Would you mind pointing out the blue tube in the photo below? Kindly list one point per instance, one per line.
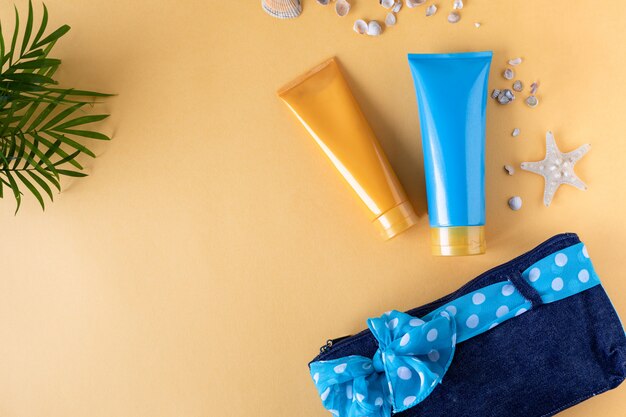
(452, 97)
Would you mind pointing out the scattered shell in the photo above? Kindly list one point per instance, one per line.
(515, 61)
(508, 74)
(396, 7)
(431, 10)
(390, 20)
(518, 86)
(454, 17)
(387, 4)
(495, 93)
(282, 9)
(374, 28)
(515, 203)
(477, 24)
(532, 101)
(505, 96)
(515, 132)
(458, 4)
(360, 26)
(414, 3)
(323, 2)
(509, 169)
(342, 7)
(533, 87)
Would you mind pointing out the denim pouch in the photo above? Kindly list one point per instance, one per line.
(563, 349)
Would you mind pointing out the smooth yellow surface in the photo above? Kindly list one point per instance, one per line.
(458, 241)
(198, 269)
(321, 99)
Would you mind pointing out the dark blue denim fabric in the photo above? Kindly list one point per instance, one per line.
(542, 362)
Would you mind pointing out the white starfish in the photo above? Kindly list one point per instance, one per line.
(557, 168)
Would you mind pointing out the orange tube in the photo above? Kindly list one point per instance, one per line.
(324, 104)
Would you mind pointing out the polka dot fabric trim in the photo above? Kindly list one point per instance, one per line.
(562, 274)
(481, 310)
(414, 353)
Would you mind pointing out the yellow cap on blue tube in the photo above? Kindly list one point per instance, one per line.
(458, 241)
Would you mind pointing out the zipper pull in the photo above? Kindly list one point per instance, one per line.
(330, 342)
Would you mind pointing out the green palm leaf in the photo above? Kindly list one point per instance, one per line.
(41, 126)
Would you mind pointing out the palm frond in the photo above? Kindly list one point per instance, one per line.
(42, 127)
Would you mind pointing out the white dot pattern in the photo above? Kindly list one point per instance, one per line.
(404, 373)
(478, 298)
(534, 274)
(507, 290)
(432, 335)
(557, 284)
(416, 322)
(409, 400)
(560, 259)
(472, 321)
(501, 311)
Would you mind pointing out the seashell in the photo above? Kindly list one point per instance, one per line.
(505, 96)
(431, 10)
(342, 7)
(515, 61)
(387, 4)
(323, 2)
(495, 93)
(282, 9)
(454, 17)
(515, 203)
(414, 3)
(532, 101)
(533, 87)
(515, 132)
(397, 6)
(458, 4)
(477, 24)
(374, 28)
(518, 86)
(390, 20)
(508, 74)
(360, 26)
(509, 169)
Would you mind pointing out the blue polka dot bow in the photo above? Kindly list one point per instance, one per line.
(411, 359)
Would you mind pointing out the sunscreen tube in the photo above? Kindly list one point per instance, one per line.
(324, 104)
(452, 97)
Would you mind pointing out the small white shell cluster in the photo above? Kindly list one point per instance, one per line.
(288, 9)
(506, 96)
(454, 15)
(373, 28)
(342, 7)
(282, 9)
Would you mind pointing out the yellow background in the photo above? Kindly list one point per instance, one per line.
(213, 248)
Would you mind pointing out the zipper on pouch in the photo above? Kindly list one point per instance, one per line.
(331, 342)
